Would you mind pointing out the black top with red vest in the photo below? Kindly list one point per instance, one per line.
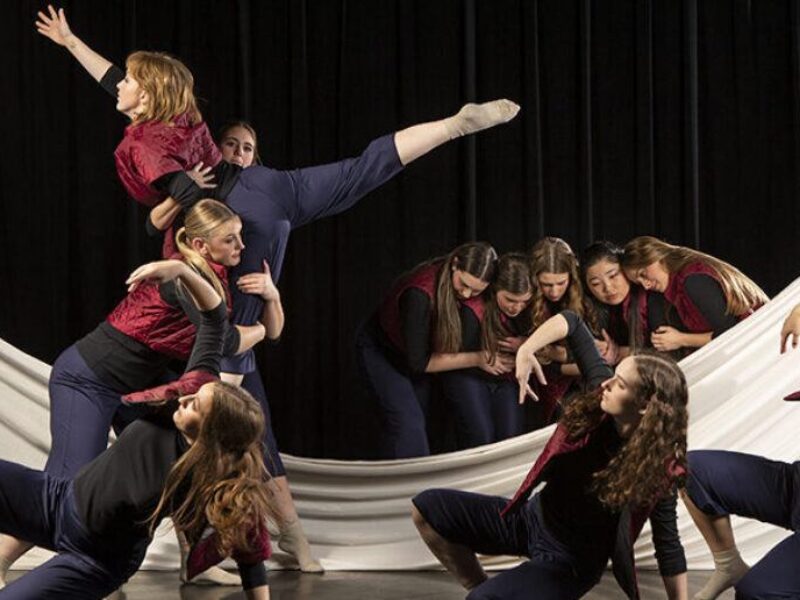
(560, 452)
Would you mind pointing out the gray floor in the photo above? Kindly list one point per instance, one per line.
(428, 585)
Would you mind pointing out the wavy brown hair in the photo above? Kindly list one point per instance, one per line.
(741, 293)
(554, 255)
(203, 221)
(169, 85)
(223, 474)
(513, 276)
(638, 473)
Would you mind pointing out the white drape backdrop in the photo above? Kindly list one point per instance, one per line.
(356, 514)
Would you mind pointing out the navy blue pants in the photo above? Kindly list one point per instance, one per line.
(40, 509)
(485, 410)
(473, 520)
(81, 411)
(252, 383)
(732, 483)
(403, 400)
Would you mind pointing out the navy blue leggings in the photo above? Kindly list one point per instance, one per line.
(485, 410)
(473, 520)
(402, 400)
(732, 483)
(252, 383)
(81, 410)
(40, 509)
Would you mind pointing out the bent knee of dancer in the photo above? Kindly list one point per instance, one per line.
(753, 588)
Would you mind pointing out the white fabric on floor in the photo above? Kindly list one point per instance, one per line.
(356, 514)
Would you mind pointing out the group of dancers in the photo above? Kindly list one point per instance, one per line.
(199, 448)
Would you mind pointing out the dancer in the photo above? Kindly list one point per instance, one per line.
(612, 461)
(555, 271)
(723, 483)
(622, 309)
(271, 203)
(201, 465)
(705, 296)
(417, 331)
(134, 347)
(484, 406)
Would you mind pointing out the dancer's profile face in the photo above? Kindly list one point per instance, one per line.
(607, 282)
(192, 411)
(467, 286)
(619, 392)
(512, 304)
(238, 147)
(131, 98)
(553, 285)
(654, 277)
(225, 246)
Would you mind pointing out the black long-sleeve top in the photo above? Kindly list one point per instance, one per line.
(570, 510)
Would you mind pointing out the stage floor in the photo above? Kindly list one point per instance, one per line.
(407, 585)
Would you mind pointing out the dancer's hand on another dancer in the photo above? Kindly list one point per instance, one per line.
(791, 329)
(608, 349)
(502, 363)
(260, 284)
(667, 338)
(54, 25)
(202, 176)
(510, 344)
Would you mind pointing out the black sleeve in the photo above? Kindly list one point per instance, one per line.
(175, 295)
(664, 524)
(580, 341)
(110, 80)
(181, 188)
(207, 350)
(706, 294)
(152, 230)
(657, 315)
(470, 330)
(253, 576)
(415, 319)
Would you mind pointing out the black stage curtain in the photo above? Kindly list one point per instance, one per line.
(673, 118)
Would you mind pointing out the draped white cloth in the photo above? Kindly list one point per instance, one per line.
(356, 514)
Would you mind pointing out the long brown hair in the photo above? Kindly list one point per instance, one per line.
(169, 85)
(479, 260)
(638, 473)
(741, 292)
(554, 255)
(224, 475)
(513, 276)
(203, 221)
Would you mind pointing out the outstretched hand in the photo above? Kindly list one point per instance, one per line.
(260, 284)
(54, 25)
(161, 270)
(527, 364)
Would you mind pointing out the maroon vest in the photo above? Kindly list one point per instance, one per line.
(619, 318)
(688, 312)
(152, 149)
(144, 316)
(422, 278)
(630, 523)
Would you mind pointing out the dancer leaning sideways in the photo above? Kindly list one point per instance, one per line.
(613, 460)
(197, 461)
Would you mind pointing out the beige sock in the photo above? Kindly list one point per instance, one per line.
(5, 565)
(476, 117)
(293, 541)
(729, 568)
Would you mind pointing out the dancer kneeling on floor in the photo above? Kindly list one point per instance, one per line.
(199, 462)
(612, 461)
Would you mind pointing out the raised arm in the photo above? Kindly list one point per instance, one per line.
(54, 26)
(204, 295)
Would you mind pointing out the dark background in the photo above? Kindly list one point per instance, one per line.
(674, 118)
